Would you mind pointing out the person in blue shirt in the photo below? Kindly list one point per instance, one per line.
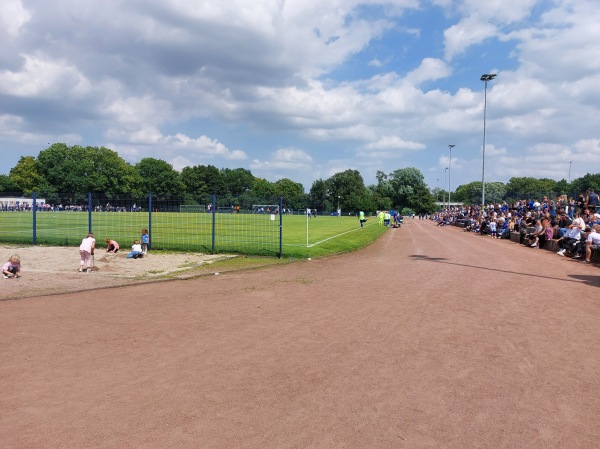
(145, 241)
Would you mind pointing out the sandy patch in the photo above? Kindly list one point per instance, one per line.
(50, 269)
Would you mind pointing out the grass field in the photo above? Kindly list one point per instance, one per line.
(238, 233)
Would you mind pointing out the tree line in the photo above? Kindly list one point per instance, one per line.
(520, 188)
(64, 174)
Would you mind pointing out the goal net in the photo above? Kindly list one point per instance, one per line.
(265, 208)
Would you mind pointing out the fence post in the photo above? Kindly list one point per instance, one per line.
(149, 220)
(280, 227)
(214, 218)
(89, 195)
(34, 218)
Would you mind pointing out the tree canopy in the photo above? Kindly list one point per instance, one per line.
(66, 173)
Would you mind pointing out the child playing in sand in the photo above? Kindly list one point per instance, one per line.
(12, 268)
(136, 250)
(86, 251)
(111, 246)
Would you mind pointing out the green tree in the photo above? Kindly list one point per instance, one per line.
(159, 178)
(382, 193)
(237, 181)
(195, 184)
(468, 193)
(291, 192)
(403, 182)
(350, 187)
(588, 181)
(380, 201)
(264, 190)
(495, 192)
(26, 176)
(319, 194)
(7, 185)
(562, 187)
(76, 170)
(527, 187)
(421, 200)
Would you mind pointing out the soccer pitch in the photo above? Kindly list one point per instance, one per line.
(176, 231)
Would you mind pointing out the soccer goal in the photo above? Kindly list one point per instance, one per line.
(192, 208)
(265, 208)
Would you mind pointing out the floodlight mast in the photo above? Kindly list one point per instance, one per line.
(449, 170)
(570, 163)
(444, 197)
(485, 78)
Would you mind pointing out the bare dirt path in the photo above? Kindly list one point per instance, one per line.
(431, 338)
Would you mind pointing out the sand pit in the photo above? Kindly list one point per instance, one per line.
(51, 270)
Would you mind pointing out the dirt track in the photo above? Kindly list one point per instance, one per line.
(431, 338)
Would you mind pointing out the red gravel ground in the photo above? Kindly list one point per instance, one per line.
(430, 338)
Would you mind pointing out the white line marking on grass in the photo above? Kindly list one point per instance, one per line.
(332, 237)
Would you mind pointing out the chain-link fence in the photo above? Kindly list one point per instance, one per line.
(209, 224)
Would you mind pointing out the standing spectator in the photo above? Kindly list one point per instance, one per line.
(592, 202)
(86, 251)
(581, 203)
(12, 268)
(145, 240)
(572, 206)
(493, 229)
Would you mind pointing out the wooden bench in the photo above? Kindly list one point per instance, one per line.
(552, 245)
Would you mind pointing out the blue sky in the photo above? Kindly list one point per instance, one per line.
(303, 89)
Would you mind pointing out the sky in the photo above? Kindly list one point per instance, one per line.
(304, 89)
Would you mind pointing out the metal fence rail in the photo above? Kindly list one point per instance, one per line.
(210, 227)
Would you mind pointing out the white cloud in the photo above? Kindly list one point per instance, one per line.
(41, 77)
(468, 32)
(13, 15)
(499, 11)
(157, 78)
(388, 143)
(430, 70)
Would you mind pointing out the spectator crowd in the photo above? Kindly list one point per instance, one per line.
(569, 226)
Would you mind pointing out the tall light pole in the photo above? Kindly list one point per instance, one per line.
(449, 170)
(338, 211)
(437, 189)
(485, 78)
(445, 171)
(570, 171)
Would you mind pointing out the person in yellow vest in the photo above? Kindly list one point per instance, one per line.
(362, 219)
(386, 218)
(380, 218)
